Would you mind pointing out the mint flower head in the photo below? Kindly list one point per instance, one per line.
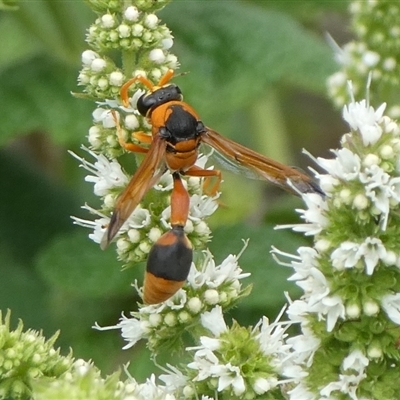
(375, 51)
(349, 313)
(163, 325)
(233, 362)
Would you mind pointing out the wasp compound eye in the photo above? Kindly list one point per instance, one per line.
(144, 103)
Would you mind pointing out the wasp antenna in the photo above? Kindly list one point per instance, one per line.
(166, 78)
(182, 73)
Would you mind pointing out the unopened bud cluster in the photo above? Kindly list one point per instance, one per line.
(25, 358)
(84, 381)
(136, 32)
(375, 50)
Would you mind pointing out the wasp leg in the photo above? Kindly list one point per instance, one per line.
(171, 256)
(209, 188)
(128, 146)
(142, 137)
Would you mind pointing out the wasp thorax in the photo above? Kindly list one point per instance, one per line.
(149, 101)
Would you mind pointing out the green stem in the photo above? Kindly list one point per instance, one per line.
(128, 62)
(268, 122)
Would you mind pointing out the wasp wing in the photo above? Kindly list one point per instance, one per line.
(144, 178)
(287, 178)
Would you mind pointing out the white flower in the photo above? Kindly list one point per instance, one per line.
(131, 122)
(370, 58)
(349, 253)
(333, 308)
(345, 166)
(372, 250)
(365, 119)
(140, 218)
(105, 117)
(346, 255)
(150, 390)
(150, 21)
(297, 311)
(205, 359)
(314, 215)
(347, 384)
(356, 361)
(229, 375)
(174, 379)
(167, 43)
(132, 330)
(131, 13)
(88, 56)
(165, 183)
(107, 20)
(98, 225)
(301, 392)
(304, 347)
(116, 78)
(391, 305)
(271, 337)
(98, 64)
(214, 321)
(157, 56)
(262, 385)
(202, 206)
(107, 174)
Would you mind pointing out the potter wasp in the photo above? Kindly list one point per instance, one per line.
(177, 132)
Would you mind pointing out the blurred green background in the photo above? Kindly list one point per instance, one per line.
(257, 73)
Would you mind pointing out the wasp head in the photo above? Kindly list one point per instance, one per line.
(149, 101)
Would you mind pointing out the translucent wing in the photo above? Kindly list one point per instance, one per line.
(144, 178)
(279, 174)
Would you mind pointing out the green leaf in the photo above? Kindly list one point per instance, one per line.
(240, 49)
(306, 9)
(36, 96)
(8, 5)
(23, 292)
(19, 46)
(33, 207)
(58, 26)
(74, 264)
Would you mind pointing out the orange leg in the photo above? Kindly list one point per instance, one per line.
(208, 174)
(142, 137)
(129, 146)
(125, 87)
